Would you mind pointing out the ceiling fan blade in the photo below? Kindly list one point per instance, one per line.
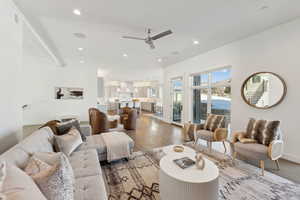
(160, 35)
(151, 45)
(133, 38)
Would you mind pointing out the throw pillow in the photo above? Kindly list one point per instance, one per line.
(269, 132)
(254, 128)
(51, 158)
(64, 128)
(36, 166)
(262, 130)
(18, 185)
(56, 183)
(69, 142)
(213, 122)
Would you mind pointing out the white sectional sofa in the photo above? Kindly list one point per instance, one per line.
(89, 183)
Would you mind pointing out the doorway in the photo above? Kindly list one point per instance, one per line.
(177, 100)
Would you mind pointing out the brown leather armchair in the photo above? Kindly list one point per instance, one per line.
(98, 121)
(130, 121)
(124, 112)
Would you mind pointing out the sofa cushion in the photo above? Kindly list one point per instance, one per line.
(18, 185)
(85, 163)
(39, 141)
(69, 142)
(16, 156)
(205, 135)
(94, 142)
(90, 188)
(36, 166)
(252, 150)
(56, 182)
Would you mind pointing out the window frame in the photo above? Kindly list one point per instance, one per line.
(209, 87)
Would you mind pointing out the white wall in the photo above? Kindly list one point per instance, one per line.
(40, 76)
(39, 81)
(276, 50)
(10, 52)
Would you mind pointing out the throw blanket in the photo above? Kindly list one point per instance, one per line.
(117, 145)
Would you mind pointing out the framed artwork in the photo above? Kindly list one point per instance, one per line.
(66, 93)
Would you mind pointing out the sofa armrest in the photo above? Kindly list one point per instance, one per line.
(220, 134)
(236, 135)
(86, 130)
(275, 149)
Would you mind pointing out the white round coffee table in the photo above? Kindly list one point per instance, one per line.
(188, 184)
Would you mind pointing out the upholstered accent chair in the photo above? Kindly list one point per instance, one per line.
(98, 121)
(124, 112)
(261, 141)
(212, 131)
(130, 121)
(189, 129)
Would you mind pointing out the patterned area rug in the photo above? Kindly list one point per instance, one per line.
(138, 179)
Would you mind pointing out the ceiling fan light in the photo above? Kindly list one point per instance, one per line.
(195, 42)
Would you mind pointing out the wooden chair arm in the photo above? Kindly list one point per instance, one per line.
(220, 134)
(275, 149)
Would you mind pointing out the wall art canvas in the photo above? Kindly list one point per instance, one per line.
(65, 93)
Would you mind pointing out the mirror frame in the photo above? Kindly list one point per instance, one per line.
(264, 108)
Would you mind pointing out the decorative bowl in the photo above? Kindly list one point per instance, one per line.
(178, 148)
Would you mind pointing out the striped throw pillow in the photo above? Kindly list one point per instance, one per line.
(263, 131)
(213, 122)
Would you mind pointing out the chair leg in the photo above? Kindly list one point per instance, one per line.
(224, 147)
(262, 166)
(277, 164)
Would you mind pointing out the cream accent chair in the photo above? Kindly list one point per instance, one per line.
(219, 135)
(258, 151)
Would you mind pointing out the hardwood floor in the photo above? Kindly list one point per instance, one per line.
(152, 133)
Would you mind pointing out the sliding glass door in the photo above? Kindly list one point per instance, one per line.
(177, 100)
(211, 93)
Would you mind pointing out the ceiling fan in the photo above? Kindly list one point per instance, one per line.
(149, 40)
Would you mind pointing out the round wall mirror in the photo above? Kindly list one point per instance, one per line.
(263, 90)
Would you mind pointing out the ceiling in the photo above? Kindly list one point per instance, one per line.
(211, 22)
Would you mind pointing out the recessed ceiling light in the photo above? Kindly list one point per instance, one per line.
(76, 12)
(159, 60)
(195, 42)
(80, 49)
(81, 62)
(125, 55)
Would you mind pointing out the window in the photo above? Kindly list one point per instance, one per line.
(211, 93)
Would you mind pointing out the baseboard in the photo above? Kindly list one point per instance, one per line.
(291, 158)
